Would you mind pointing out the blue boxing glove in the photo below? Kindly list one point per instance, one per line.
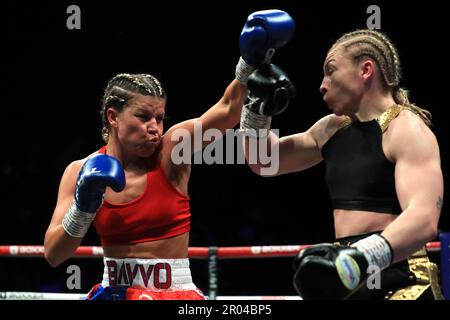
(263, 33)
(97, 173)
(329, 271)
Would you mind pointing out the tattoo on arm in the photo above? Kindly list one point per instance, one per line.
(439, 203)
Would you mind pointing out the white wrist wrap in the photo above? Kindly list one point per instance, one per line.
(253, 124)
(376, 249)
(76, 223)
(243, 70)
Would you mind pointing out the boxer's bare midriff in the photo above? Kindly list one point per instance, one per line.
(170, 248)
(354, 222)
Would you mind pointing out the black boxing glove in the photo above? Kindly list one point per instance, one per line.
(330, 271)
(270, 91)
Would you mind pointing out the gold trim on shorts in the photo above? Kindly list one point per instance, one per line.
(426, 274)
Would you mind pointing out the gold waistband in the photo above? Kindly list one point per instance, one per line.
(426, 274)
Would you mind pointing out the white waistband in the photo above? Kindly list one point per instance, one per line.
(153, 274)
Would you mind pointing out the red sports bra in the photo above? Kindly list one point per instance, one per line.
(160, 212)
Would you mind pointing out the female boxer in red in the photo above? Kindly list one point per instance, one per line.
(132, 189)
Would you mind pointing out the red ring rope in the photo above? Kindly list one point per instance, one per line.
(194, 252)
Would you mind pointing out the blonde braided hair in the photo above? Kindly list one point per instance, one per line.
(366, 43)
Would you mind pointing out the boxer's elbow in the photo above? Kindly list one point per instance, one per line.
(51, 257)
(57, 247)
(269, 170)
(256, 168)
(49, 252)
(52, 261)
(428, 226)
(430, 222)
(431, 231)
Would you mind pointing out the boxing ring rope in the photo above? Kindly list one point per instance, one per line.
(212, 254)
(36, 251)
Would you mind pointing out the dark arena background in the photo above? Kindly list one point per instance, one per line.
(53, 82)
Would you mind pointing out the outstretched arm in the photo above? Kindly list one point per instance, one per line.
(263, 33)
(299, 151)
(225, 114)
